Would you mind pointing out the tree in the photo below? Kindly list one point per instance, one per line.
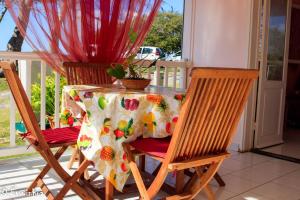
(166, 32)
(3, 10)
(16, 41)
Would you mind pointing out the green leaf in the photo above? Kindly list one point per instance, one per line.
(117, 71)
(131, 58)
(123, 102)
(88, 113)
(130, 123)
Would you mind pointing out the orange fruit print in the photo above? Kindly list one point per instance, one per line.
(107, 153)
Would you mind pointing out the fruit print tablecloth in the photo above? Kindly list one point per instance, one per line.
(114, 116)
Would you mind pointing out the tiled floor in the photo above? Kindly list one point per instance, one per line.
(248, 176)
(291, 146)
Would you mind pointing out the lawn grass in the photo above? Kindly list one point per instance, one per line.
(18, 156)
(4, 123)
(5, 120)
(4, 101)
(3, 85)
(5, 129)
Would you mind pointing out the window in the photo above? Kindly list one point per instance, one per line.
(147, 51)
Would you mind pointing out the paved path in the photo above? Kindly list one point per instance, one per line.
(4, 94)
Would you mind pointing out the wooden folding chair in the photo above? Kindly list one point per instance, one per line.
(84, 74)
(208, 119)
(44, 141)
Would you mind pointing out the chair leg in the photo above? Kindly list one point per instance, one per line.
(146, 194)
(219, 179)
(155, 172)
(209, 193)
(198, 182)
(136, 174)
(45, 189)
(46, 169)
(179, 181)
(109, 190)
(81, 158)
(191, 182)
(142, 163)
(205, 178)
(73, 158)
(73, 179)
(61, 172)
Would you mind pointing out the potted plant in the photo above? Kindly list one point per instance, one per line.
(130, 74)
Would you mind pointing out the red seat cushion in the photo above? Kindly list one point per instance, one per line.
(59, 135)
(157, 147)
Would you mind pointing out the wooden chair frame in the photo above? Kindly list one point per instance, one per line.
(203, 131)
(40, 145)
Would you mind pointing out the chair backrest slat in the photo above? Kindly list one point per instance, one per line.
(205, 132)
(22, 102)
(210, 115)
(86, 73)
(218, 113)
(228, 109)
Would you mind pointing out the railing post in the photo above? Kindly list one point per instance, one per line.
(175, 78)
(157, 75)
(25, 76)
(183, 77)
(43, 96)
(12, 136)
(57, 98)
(166, 76)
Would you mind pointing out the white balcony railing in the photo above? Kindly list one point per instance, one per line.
(25, 61)
(165, 73)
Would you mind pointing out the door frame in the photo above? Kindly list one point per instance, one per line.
(253, 62)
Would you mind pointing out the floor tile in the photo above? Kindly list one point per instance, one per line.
(267, 171)
(235, 165)
(236, 184)
(250, 196)
(277, 192)
(247, 176)
(220, 194)
(224, 171)
(290, 180)
(251, 158)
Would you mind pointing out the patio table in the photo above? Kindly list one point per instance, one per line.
(115, 115)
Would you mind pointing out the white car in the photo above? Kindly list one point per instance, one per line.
(174, 56)
(149, 53)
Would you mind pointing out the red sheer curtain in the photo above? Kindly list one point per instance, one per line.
(83, 30)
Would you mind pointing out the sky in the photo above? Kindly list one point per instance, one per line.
(176, 4)
(7, 25)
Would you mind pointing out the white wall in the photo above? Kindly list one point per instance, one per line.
(217, 34)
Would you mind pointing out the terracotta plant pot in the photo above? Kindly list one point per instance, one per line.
(135, 84)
